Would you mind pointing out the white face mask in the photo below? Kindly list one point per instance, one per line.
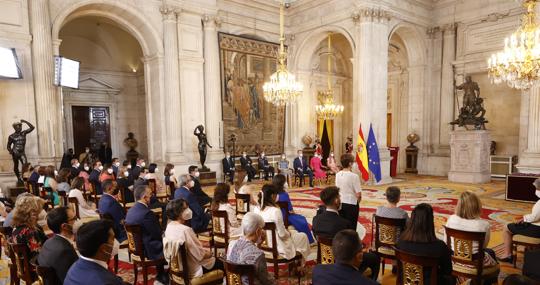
(228, 156)
(115, 248)
(156, 170)
(56, 173)
(262, 155)
(77, 165)
(171, 172)
(129, 166)
(109, 170)
(299, 155)
(100, 167)
(191, 184)
(187, 214)
(143, 164)
(340, 206)
(332, 155)
(283, 157)
(117, 164)
(244, 155)
(87, 150)
(537, 193)
(197, 174)
(126, 173)
(86, 168)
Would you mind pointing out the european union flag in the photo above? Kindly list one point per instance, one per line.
(374, 161)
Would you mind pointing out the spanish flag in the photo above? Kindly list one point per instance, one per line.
(361, 155)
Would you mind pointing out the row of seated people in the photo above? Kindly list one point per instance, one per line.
(315, 168)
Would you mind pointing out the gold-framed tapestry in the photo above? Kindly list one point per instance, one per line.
(258, 125)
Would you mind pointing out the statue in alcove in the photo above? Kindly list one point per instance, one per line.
(203, 143)
(132, 144)
(16, 145)
(472, 111)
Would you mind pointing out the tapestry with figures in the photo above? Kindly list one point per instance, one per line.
(246, 64)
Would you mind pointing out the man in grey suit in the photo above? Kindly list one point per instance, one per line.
(58, 252)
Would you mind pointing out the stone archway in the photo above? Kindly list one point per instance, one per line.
(134, 22)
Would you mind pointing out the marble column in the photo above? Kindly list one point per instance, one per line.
(173, 135)
(212, 88)
(50, 144)
(371, 78)
(447, 84)
(529, 159)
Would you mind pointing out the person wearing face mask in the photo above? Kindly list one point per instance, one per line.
(115, 166)
(86, 209)
(351, 190)
(246, 250)
(136, 171)
(85, 174)
(283, 168)
(247, 166)
(107, 173)
(228, 166)
(140, 214)
(200, 260)
(327, 223)
(200, 219)
(26, 229)
(529, 226)
(202, 197)
(75, 168)
(125, 185)
(301, 168)
(51, 185)
(95, 242)
(348, 255)
(319, 170)
(265, 166)
(85, 157)
(331, 163)
(94, 177)
(170, 179)
(58, 252)
(109, 205)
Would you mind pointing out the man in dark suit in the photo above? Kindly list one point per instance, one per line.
(327, 223)
(140, 214)
(75, 168)
(301, 167)
(58, 252)
(265, 166)
(228, 166)
(94, 176)
(95, 242)
(111, 208)
(202, 197)
(115, 166)
(200, 219)
(136, 171)
(245, 161)
(347, 251)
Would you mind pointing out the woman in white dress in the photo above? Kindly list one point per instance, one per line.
(254, 193)
(86, 209)
(220, 202)
(288, 242)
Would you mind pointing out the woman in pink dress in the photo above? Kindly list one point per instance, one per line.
(317, 166)
(331, 162)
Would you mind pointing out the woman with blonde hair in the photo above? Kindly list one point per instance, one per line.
(468, 218)
(25, 224)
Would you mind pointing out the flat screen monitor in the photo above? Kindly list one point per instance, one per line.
(9, 64)
(66, 72)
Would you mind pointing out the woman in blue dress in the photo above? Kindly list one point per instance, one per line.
(299, 222)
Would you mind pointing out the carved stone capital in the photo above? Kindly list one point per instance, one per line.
(432, 32)
(449, 29)
(211, 21)
(169, 13)
(371, 15)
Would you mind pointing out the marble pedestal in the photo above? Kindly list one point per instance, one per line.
(469, 156)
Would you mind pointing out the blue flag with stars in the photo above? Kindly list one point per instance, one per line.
(374, 161)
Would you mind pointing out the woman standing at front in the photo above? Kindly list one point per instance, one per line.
(350, 190)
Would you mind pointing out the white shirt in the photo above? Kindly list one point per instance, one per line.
(85, 210)
(534, 216)
(470, 225)
(234, 226)
(102, 263)
(349, 185)
(285, 244)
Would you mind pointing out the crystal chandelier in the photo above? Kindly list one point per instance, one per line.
(519, 63)
(282, 89)
(327, 109)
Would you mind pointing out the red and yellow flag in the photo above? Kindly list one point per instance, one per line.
(361, 155)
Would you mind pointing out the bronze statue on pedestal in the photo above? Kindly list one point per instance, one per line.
(16, 144)
(203, 142)
(472, 111)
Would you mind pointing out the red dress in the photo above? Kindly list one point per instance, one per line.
(316, 165)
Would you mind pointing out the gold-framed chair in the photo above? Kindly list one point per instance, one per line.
(63, 198)
(324, 251)
(411, 268)
(465, 263)
(220, 231)
(179, 271)
(22, 261)
(242, 204)
(234, 273)
(73, 203)
(271, 253)
(5, 233)
(136, 252)
(526, 242)
(387, 231)
(122, 192)
(45, 275)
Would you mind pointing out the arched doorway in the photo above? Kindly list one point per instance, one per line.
(110, 101)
